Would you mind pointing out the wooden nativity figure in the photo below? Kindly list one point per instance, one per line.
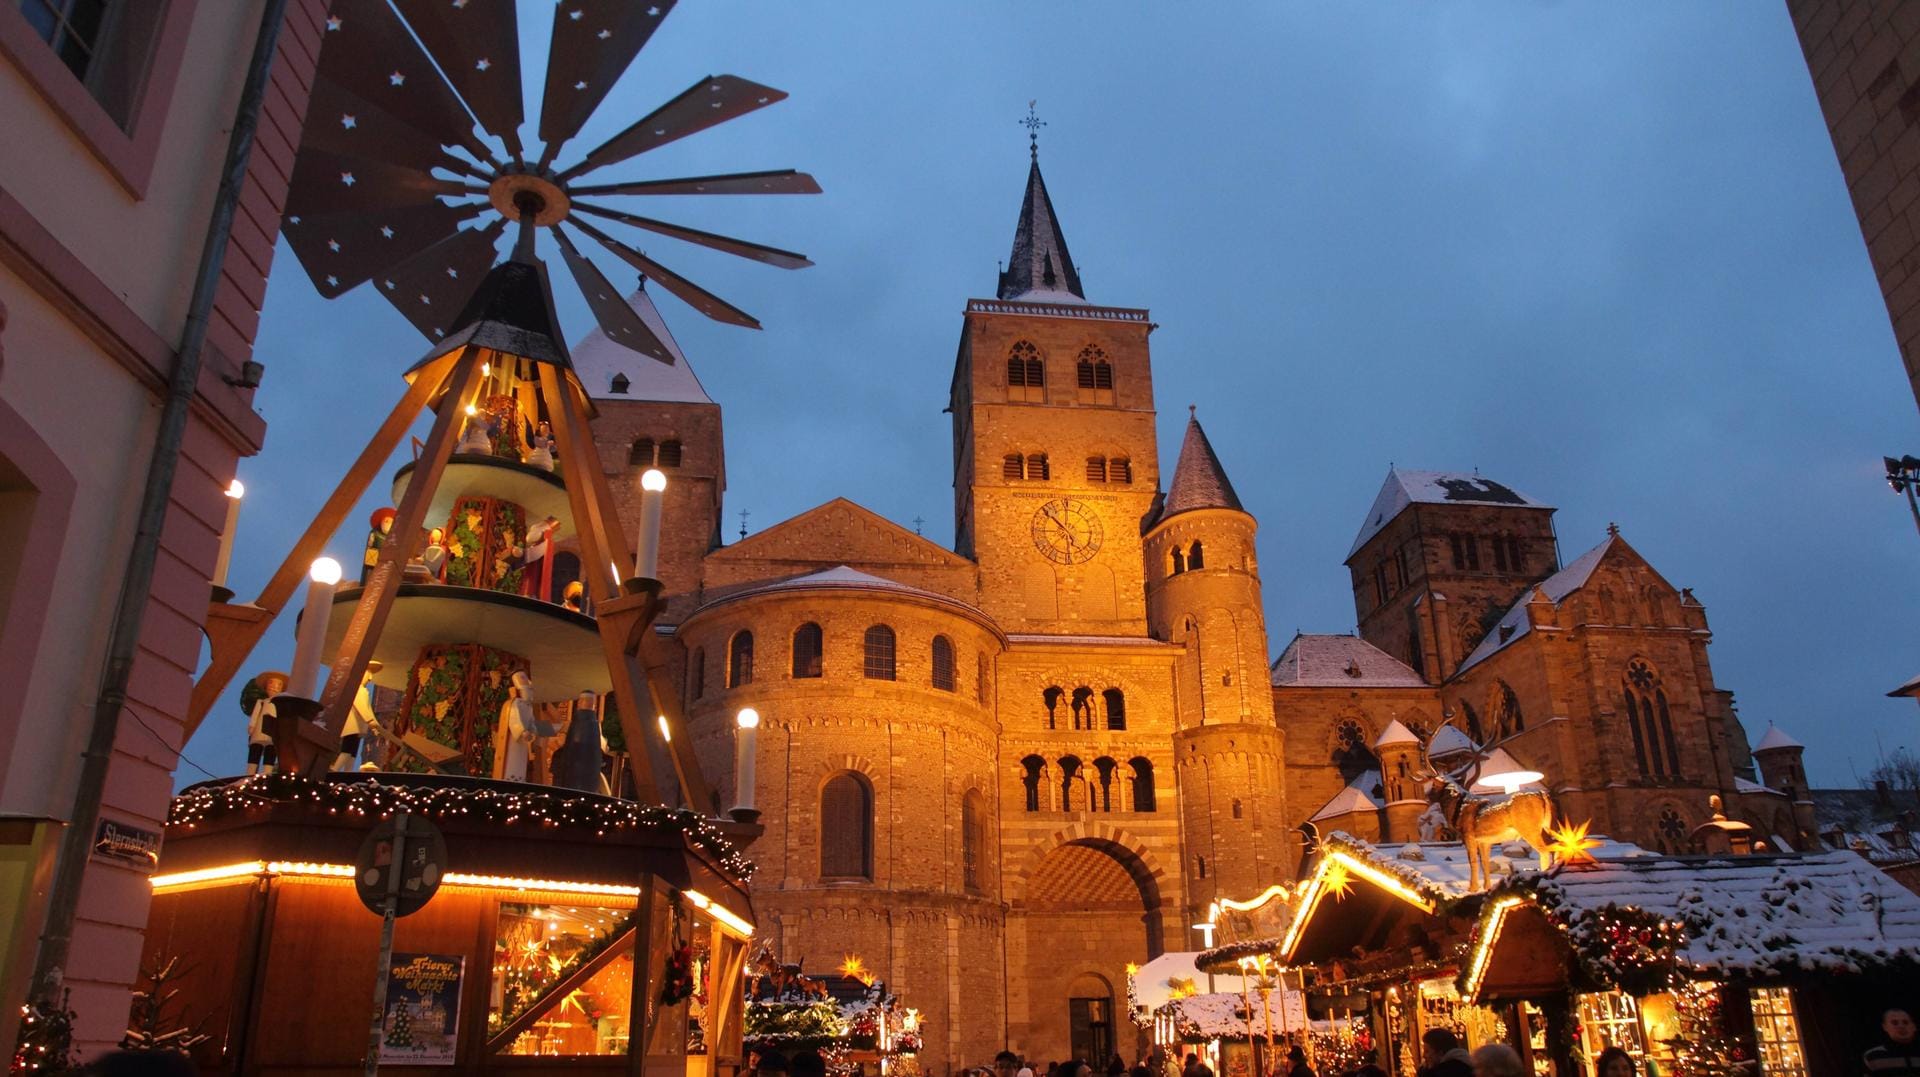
(576, 764)
(380, 530)
(257, 700)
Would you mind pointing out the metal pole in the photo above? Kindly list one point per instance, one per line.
(1912, 503)
(56, 939)
(385, 967)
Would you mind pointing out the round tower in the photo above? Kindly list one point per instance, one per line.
(1203, 592)
(1399, 753)
(1778, 757)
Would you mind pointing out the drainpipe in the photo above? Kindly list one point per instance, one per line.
(56, 939)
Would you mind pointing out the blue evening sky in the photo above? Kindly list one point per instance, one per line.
(1603, 254)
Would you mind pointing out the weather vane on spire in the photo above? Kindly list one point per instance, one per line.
(1033, 123)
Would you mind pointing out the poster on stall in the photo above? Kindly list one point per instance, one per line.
(423, 1010)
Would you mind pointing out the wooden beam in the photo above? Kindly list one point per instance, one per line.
(612, 613)
(234, 631)
(383, 583)
(511, 1031)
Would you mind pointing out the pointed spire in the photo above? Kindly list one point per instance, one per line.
(1039, 262)
(1199, 482)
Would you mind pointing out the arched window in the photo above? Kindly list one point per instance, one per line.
(1142, 783)
(1102, 798)
(640, 453)
(1475, 732)
(1179, 561)
(846, 828)
(1051, 697)
(619, 384)
(1037, 466)
(1200, 865)
(1083, 707)
(1096, 469)
(1013, 467)
(1070, 780)
(1116, 708)
(973, 839)
(1651, 721)
(943, 663)
(1033, 773)
(879, 653)
(740, 659)
(1094, 377)
(1236, 807)
(1350, 752)
(1507, 719)
(1119, 469)
(1026, 375)
(980, 687)
(1196, 557)
(669, 454)
(697, 674)
(807, 646)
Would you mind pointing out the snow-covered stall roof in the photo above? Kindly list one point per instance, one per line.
(1751, 915)
(1224, 1016)
(1439, 869)
(1157, 982)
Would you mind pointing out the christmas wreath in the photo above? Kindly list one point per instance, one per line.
(677, 980)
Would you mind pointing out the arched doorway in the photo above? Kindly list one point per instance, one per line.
(1090, 907)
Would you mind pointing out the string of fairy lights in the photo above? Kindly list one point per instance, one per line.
(374, 800)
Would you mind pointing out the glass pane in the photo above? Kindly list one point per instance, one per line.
(571, 969)
(1777, 1032)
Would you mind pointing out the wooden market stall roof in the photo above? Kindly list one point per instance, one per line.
(1712, 917)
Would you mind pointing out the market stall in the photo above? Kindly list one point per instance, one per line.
(849, 1017)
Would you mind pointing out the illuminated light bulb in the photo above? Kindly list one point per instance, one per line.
(311, 635)
(666, 731)
(646, 548)
(747, 726)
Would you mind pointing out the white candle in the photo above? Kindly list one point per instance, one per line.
(743, 758)
(646, 551)
(311, 637)
(225, 556)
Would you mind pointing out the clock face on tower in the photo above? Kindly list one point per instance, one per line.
(1067, 531)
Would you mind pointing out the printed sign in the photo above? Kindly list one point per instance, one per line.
(421, 1026)
(118, 841)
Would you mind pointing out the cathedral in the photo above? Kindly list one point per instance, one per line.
(1001, 771)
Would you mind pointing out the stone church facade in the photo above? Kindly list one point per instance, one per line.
(1000, 772)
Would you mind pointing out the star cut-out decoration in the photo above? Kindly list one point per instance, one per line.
(333, 24)
(346, 178)
(386, 232)
(1568, 843)
(1337, 881)
(347, 121)
(482, 64)
(397, 78)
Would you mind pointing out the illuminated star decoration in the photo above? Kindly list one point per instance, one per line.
(1336, 880)
(1132, 968)
(1568, 843)
(855, 969)
(1182, 987)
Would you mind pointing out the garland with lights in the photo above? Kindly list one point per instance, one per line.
(506, 806)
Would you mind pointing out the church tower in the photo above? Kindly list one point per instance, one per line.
(1203, 592)
(1053, 441)
(650, 414)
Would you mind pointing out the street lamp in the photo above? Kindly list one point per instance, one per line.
(1904, 476)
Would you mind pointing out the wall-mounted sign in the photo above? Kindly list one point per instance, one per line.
(128, 844)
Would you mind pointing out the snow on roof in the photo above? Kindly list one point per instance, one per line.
(1343, 661)
(1447, 740)
(598, 360)
(1439, 869)
(1346, 802)
(1742, 785)
(1754, 915)
(1556, 587)
(1404, 488)
(1224, 1015)
(847, 578)
(1395, 733)
(1775, 737)
(1153, 982)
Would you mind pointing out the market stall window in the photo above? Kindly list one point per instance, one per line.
(1776, 1031)
(1612, 1019)
(562, 974)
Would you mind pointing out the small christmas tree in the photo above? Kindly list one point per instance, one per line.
(400, 1027)
(1703, 1048)
(46, 1037)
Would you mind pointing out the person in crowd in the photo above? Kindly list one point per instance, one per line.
(1370, 1066)
(1192, 1067)
(1297, 1063)
(1116, 1066)
(808, 1063)
(1497, 1060)
(1141, 1068)
(1443, 1056)
(1073, 1067)
(1005, 1064)
(769, 1063)
(1614, 1062)
(1897, 1054)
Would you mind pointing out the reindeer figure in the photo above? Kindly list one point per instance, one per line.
(1484, 821)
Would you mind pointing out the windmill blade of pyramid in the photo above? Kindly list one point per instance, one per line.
(343, 123)
(430, 288)
(477, 45)
(369, 51)
(708, 103)
(688, 292)
(593, 43)
(341, 250)
(325, 183)
(617, 319)
(758, 252)
(781, 181)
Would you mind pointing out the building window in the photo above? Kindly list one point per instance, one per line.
(1236, 807)
(1097, 469)
(619, 384)
(1033, 775)
(1070, 779)
(1094, 377)
(640, 453)
(1142, 783)
(669, 454)
(943, 663)
(1776, 1031)
(1516, 555)
(1026, 375)
(1083, 707)
(697, 678)
(1037, 466)
(1351, 755)
(980, 678)
(1179, 562)
(105, 43)
(1109, 469)
(1472, 544)
(1013, 467)
(807, 645)
(1499, 553)
(846, 828)
(1116, 708)
(1051, 697)
(1507, 718)
(1650, 721)
(1200, 865)
(1670, 832)
(1466, 551)
(740, 660)
(879, 653)
(1196, 557)
(1102, 799)
(1380, 591)
(973, 839)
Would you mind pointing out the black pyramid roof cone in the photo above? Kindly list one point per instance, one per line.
(512, 312)
(1199, 482)
(1039, 262)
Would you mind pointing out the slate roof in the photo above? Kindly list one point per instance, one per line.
(1345, 802)
(1558, 586)
(1867, 821)
(1199, 482)
(1314, 661)
(1039, 269)
(1404, 488)
(597, 360)
(1395, 733)
(1775, 737)
(1448, 739)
